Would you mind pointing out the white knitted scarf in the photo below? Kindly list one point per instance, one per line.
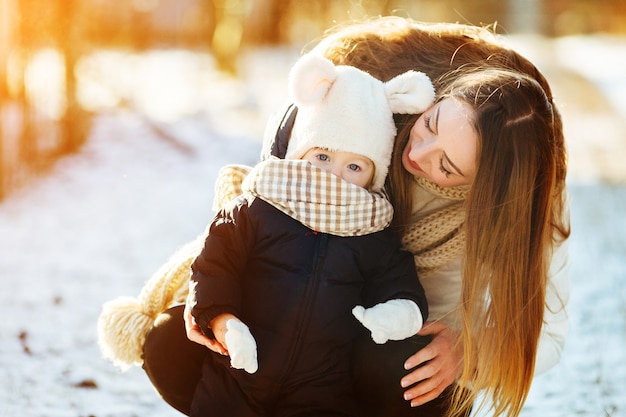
(318, 199)
(438, 237)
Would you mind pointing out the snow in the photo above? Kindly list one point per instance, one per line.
(93, 230)
(103, 220)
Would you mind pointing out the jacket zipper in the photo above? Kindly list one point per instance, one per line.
(304, 313)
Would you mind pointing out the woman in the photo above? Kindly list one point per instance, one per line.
(478, 187)
(485, 167)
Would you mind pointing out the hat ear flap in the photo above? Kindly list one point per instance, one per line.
(410, 93)
(310, 79)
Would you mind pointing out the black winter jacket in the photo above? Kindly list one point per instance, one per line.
(295, 289)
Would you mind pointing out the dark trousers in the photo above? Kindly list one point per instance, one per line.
(172, 362)
(221, 393)
(377, 371)
(174, 366)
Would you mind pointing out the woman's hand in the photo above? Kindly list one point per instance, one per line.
(195, 334)
(441, 360)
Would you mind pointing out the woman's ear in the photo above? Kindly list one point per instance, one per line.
(310, 79)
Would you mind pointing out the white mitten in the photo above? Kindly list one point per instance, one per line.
(391, 320)
(241, 346)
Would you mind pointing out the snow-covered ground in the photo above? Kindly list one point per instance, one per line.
(106, 218)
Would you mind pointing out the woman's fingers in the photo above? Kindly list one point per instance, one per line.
(194, 333)
(432, 328)
(216, 347)
(434, 367)
(422, 379)
(431, 389)
(427, 382)
(427, 353)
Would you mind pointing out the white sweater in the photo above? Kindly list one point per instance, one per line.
(443, 291)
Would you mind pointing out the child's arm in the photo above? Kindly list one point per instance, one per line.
(396, 296)
(218, 325)
(237, 341)
(215, 288)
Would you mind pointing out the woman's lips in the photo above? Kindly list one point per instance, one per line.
(415, 166)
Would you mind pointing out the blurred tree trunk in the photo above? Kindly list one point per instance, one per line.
(23, 46)
(5, 43)
(75, 122)
(37, 137)
(208, 16)
(227, 36)
(267, 22)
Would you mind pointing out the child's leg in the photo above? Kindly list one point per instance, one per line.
(330, 394)
(219, 394)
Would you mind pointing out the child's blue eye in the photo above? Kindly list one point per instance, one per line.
(322, 157)
(354, 167)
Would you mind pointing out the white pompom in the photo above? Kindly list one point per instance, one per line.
(122, 328)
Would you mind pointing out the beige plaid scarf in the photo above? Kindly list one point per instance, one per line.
(321, 201)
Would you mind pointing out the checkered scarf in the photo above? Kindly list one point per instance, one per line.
(321, 201)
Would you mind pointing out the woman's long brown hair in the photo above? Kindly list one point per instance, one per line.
(515, 207)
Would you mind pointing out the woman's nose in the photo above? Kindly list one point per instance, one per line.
(420, 150)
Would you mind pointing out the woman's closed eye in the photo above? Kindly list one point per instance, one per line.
(442, 168)
(427, 120)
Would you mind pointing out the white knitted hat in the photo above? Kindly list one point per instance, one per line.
(342, 108)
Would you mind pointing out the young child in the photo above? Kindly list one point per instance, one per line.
(291, 266)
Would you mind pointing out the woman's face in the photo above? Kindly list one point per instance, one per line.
(443, 144)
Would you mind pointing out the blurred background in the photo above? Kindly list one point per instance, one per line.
(115, 117)
(62, 62)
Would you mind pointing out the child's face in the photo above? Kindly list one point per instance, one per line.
(354, 168)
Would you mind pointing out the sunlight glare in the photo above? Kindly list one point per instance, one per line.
(162, 84)
(45, 83)
(102, 81)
